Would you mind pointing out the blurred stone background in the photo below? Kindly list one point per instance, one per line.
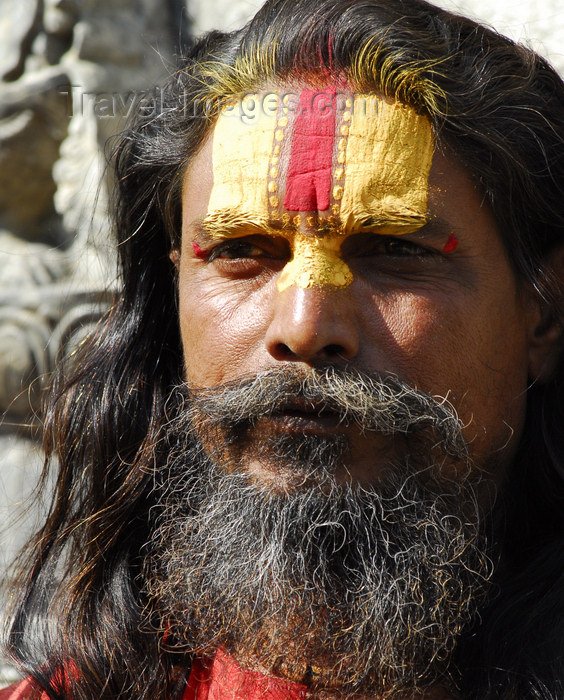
(70, 71)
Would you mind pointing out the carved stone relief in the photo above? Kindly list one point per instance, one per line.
(62, 63)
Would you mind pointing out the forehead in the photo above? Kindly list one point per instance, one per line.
(308, 155)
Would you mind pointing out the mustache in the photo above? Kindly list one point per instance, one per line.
(370, 401)
(387, 572)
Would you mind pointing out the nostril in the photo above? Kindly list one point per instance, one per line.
(333, 349)
(330, 351)
(309, 325)
(283, 352)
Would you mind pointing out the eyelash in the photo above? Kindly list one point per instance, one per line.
(227, 246)
(406, 248)
(391, 246)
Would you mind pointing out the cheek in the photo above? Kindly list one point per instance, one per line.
(475, 357)
(418, 332)
(220, 329)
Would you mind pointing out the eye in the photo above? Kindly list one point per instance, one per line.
(247, 256)
(236, 249)
(401, 248)
(369, 245)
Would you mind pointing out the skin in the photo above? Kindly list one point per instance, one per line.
(456, 325)
(344, 146)
(450, 318)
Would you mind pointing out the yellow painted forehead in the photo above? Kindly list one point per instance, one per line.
(321, 155)
(355, 157)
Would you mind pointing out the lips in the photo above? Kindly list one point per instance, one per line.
(305, 417)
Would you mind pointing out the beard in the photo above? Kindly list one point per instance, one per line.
(331, 583)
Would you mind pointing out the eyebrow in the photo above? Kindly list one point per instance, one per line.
(227, 223)
(437, 228)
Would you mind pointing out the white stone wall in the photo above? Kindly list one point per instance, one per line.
(69, 72)
(539, 25)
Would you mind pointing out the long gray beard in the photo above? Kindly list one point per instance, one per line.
(365, 588)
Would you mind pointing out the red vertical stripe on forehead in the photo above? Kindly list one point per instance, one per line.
(308, 183)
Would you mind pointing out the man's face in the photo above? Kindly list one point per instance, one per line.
(411, 280)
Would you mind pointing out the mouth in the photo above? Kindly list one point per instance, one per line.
(305, 417)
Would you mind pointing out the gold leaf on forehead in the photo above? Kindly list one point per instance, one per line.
(388, 155)
(241, 155)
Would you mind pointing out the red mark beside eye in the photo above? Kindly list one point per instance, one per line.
(451, 244)
(198, 252)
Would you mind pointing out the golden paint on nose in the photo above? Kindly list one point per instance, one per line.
(316, 261)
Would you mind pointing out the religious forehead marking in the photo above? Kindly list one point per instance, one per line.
(323, 158)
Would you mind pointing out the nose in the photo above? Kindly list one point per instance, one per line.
(313, 324)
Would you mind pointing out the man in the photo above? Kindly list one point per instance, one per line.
(314, 450)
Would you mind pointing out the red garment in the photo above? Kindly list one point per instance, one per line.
(20, 691)
(223, 679)
(226, 680)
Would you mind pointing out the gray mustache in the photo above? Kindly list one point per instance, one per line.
(372, 402)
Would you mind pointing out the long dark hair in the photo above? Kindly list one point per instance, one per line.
(499, 109)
